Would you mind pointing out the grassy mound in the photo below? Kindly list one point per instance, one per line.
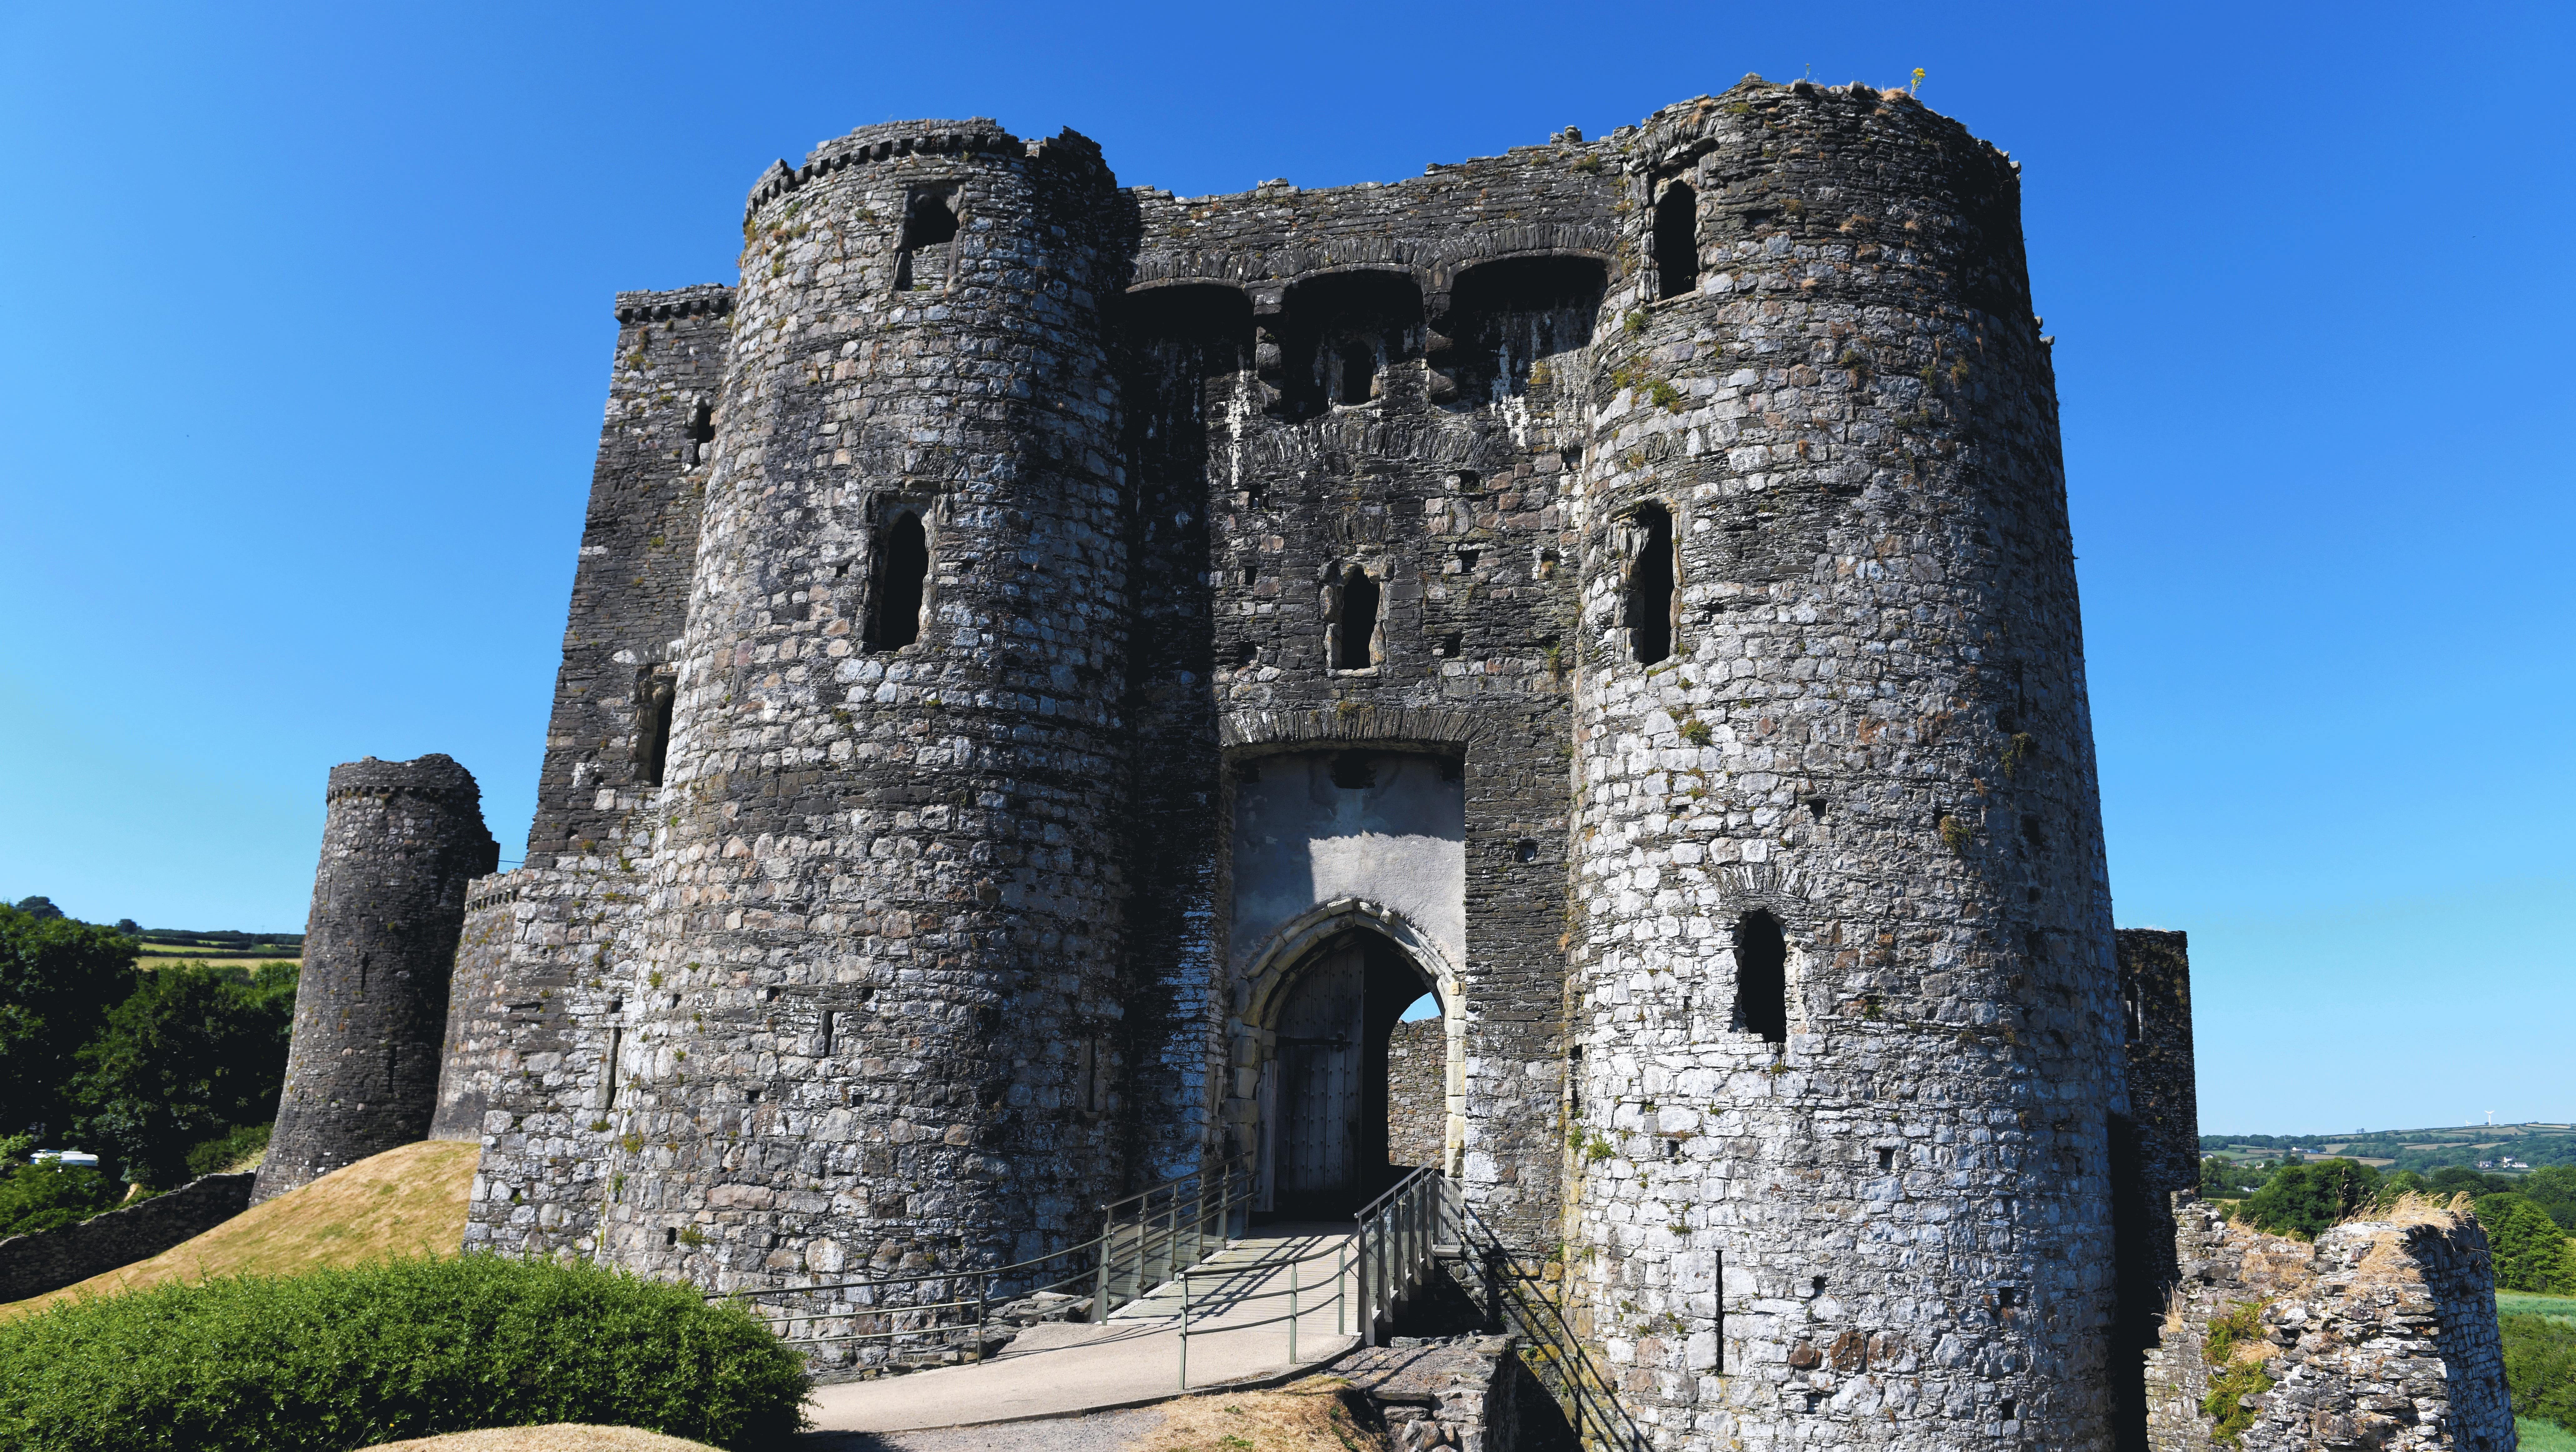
(334, 1359)
(407, 1201)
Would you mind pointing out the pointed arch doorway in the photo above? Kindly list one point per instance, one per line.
(1324, 1099)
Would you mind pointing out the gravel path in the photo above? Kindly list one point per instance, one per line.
(1094, 1432)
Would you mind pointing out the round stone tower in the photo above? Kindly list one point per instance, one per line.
(399, 844)
(1843, 988)
(873, 1026)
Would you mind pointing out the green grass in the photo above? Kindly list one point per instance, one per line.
(2524, 1303)
(2543, 1436)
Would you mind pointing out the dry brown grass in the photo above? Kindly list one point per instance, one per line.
(561, 1437)
(1307, 1416)
(407, 1201)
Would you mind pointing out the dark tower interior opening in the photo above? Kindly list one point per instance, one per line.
(1650, 585)
(1510, 315)
(1329, 1144)
(1762, 977)
(1336, 332)
(1676, 240)
(653, 696)
(2137, 1299)
(1357, 622)
(903, 564)
(930, 220)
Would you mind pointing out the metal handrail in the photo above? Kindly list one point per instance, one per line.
(1562, 1366)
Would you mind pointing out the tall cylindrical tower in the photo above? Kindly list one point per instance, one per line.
(873, 1027)
(1843, 981)
(399, 844)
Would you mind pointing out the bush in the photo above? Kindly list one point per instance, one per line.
(218, 1155)
(2303, 1200)
(334, 1359)
(38, 1198)
(2540, 1367)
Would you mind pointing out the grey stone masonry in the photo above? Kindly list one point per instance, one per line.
(1055, 667)
(31, 1265)
(2381, 1334)
(1417, 1097)
(1844, 989)
(399, 844)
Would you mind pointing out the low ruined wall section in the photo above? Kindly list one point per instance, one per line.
(31, 1265)
(2381, 1334)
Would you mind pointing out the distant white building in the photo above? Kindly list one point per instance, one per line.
(68, 1159)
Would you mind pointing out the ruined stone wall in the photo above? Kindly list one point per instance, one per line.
(1417, 1092)
(2381, 1334)
(400, 842)
(31, 1265)
(887, 893)
(2155, 1148)
(1889, 1225)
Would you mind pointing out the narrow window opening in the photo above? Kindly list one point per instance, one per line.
(2006, 1297)
(2010, 1407)
(1527, 850)
(1815, 807)
(1762, 977)
(1676, 240)
(1358, 370)
(903, 564)
(671, 1235)
(653, 696)
(828, 1026)
(1887, 1159)
(1467, 559)
(2129, 1010)
(1250, 574)
(1449, 644)
(1352, 649)
(1650, 585)
(616, 1047)
(1353, 771)
(2035, 834)
(751, 1096)
(931, 220)
(1247, 654)
(1672, 1149)
(1816, 1287)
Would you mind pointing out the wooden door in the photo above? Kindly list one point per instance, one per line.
(1319, 1091)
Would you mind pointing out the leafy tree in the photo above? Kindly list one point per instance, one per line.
(2226, 1179)
(2304, 1199)
(36, 1198)
(58, 980)
(2554, 1189)
(2540, 1367)
(2530, 1251)
(192, 1054)
(41, 908)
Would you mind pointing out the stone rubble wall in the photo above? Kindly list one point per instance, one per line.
(1892, 1230)
(1458, 1393)
(400, 842)
(2381, 1334)
(31, 1265)
(1417, 1093)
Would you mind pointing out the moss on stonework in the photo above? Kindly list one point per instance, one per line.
(2235, 1380)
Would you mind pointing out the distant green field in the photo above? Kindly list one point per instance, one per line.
(2543, 1436)
(2524, 1303)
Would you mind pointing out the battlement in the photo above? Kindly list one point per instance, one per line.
(706, 299)
(975, 136)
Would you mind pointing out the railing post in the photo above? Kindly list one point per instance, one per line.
(1360, 1281)
(983, 1295)
(1185, 1330)
(1100, 1285)
(1341, 1293)
(1292, 1313)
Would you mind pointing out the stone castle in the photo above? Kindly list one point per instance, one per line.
(1055, 669)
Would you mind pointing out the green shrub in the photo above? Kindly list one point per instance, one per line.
(335, 1359)
(216, 1155)
(2232, 1381)
(2303, 1200)
(37, 1198)
(2540, 1367)
(2530, 1253)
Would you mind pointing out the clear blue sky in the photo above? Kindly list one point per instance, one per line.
(304, 338)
